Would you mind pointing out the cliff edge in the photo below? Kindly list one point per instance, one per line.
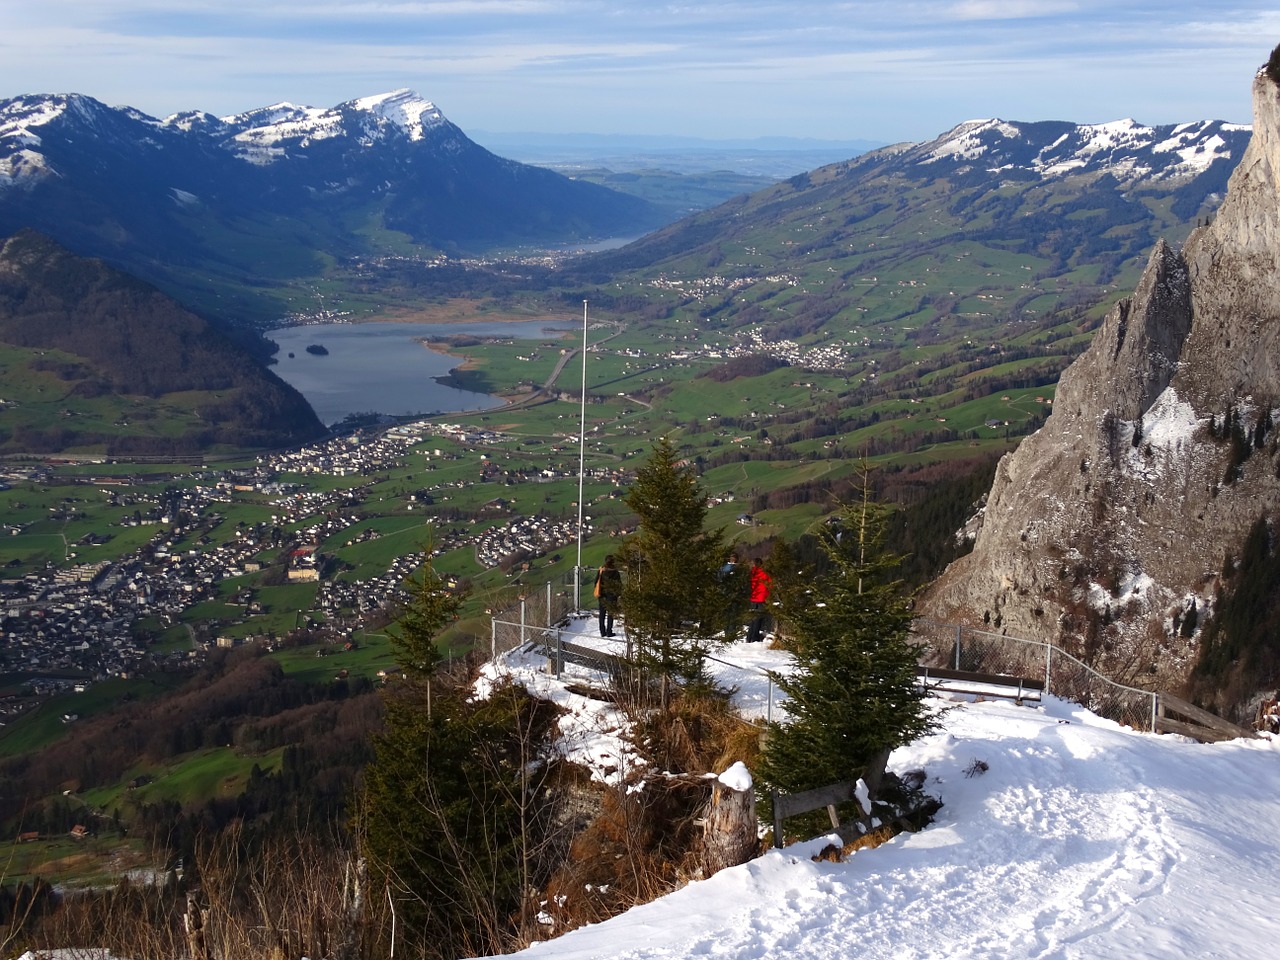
(1112, 529)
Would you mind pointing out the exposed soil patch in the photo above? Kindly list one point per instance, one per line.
(460, 311)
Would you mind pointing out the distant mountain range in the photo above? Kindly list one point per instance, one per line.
(1125, 149)
(1074, 194)
(277, 192)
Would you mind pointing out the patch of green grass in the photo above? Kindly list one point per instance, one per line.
(43, 726)
(321, 664)
(94, 861)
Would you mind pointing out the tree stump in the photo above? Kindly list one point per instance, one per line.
(731, 834)
(195, 920)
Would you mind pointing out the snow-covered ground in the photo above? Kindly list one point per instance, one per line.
(1062, 835)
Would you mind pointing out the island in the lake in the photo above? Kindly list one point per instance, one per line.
(317, 349)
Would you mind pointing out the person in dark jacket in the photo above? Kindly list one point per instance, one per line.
(608, 590)
(732, 583)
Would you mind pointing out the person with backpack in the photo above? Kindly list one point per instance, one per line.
(608, 591)
(760, 585)
(731, 581)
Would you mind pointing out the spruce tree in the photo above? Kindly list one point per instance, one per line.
(853, 695)
(431, 608)
(671, 600)
(448, 813)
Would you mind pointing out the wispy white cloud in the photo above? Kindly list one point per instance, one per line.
(1011, 9)
(815, 67)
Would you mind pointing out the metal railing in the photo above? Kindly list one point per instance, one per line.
(540, 612)
(532, 607)
(556, 641)
(964, 648)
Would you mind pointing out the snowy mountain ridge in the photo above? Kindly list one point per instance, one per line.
(146, 193)
(1126, 149)
(263, 135)
(259, 136)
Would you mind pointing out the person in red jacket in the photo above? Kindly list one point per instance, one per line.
(760, 586)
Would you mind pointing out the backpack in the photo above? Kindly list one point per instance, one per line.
(597, 590)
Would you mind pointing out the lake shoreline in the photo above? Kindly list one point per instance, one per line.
(369, 370)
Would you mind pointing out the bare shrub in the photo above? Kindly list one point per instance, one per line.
(291, 898)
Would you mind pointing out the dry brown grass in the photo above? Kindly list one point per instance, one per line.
(293, 899)
(646, 838)
(461, 311)
(832, 853)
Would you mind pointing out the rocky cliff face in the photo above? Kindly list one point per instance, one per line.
(1109, 529)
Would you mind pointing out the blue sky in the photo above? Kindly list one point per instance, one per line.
(887, 70)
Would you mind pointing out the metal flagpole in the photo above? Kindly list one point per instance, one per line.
(582, 456)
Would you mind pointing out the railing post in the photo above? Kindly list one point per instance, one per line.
(550, 619)
(557, 661)
(1155, 711)
(959, 636)
(522, 637)
(493, 638)
(1048, 665)
(777, 821)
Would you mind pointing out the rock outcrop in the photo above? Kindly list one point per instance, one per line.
(1109, 529)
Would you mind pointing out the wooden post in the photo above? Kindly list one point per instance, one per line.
(731, 833)
(194, 921)
(353, 896)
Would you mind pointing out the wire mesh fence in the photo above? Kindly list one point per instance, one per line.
(531, 607)
(536, 613)
(964, 648)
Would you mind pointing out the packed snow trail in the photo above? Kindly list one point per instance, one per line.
(1081, 840)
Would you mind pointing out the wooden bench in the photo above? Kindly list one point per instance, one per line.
(1018, 689)
(790, 804)
(559, 652)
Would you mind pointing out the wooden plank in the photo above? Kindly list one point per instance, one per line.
(789, 804)
(1203, 717)
(1194, 731)
(1004, 693)
(607, 661)
(981, 685)
(583, 656)
(1002, 679)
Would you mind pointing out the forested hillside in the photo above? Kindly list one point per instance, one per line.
(94, 359)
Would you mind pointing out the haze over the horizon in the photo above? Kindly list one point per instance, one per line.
(709, 68)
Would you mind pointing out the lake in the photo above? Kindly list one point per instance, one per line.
(380, 367)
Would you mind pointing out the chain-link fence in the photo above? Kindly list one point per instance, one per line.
(530, 607)
(964, 648)
(536, 612)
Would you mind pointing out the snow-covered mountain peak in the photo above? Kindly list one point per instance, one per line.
(970, 140)
(265, 135)
(23, 121)
(190, 120)
(276, 113)
(405, 109)
(37, 110)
